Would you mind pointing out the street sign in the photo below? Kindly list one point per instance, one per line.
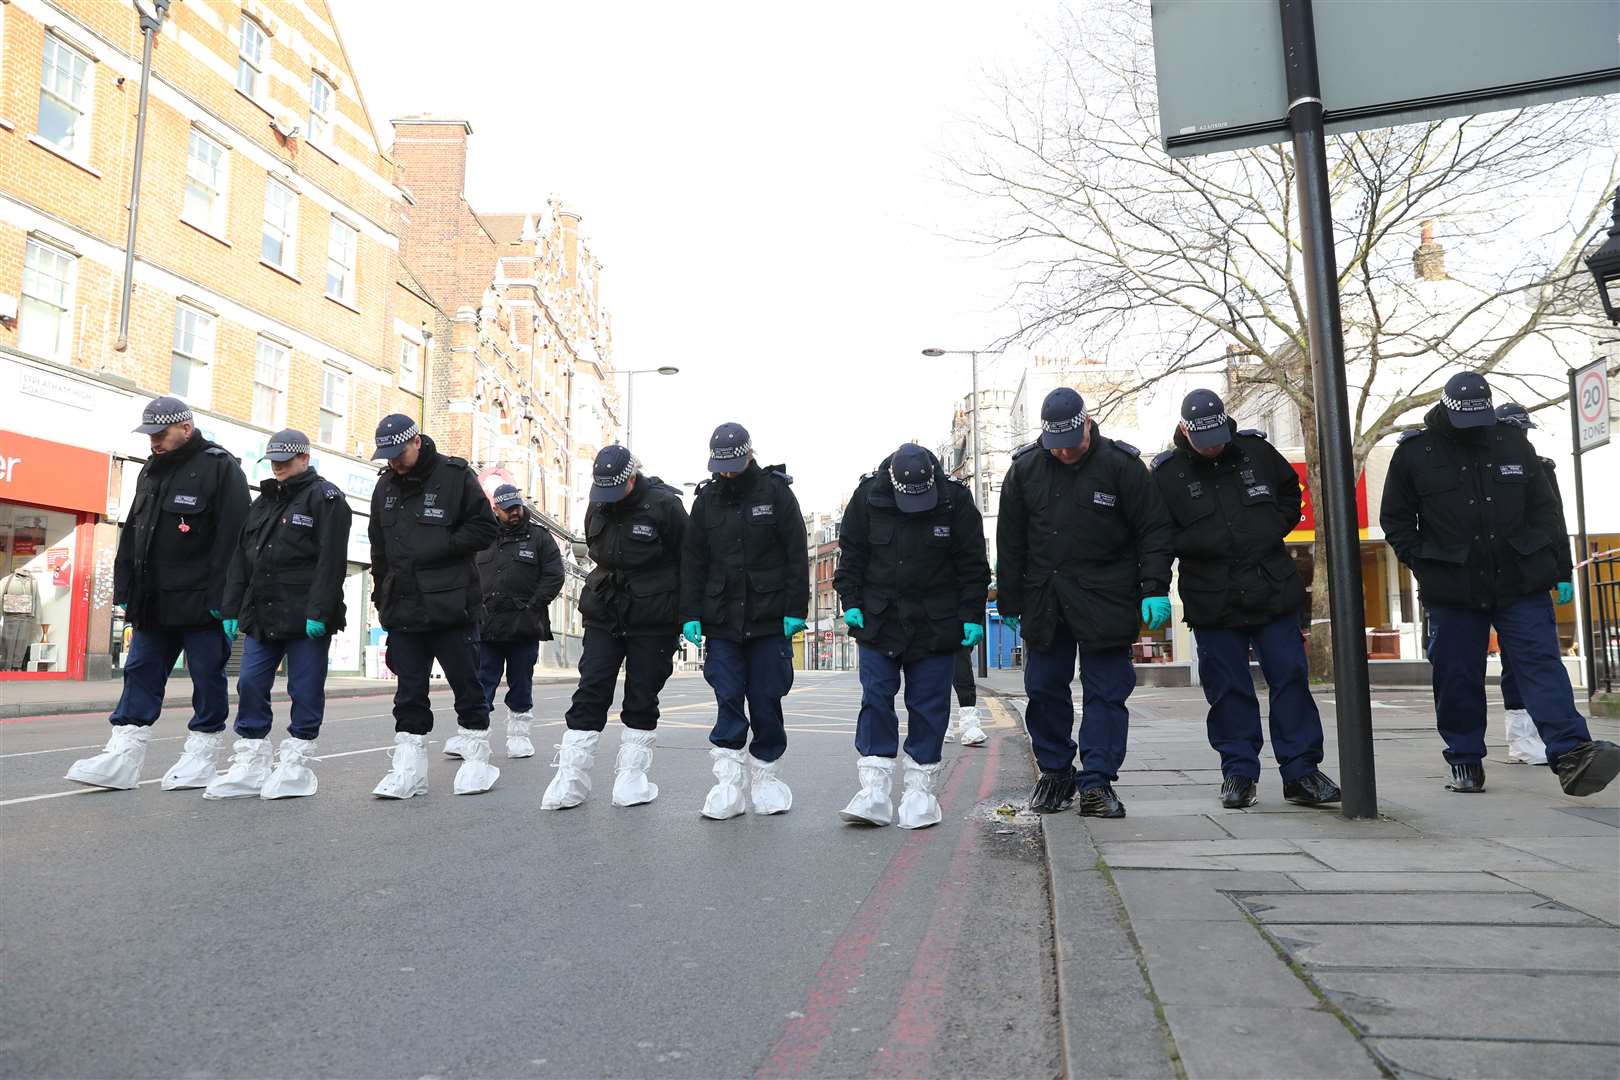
(1383, 62)
(1590, 404)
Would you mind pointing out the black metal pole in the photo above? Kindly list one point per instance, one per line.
(1581, 553)
(150, 25)
(1337, 507)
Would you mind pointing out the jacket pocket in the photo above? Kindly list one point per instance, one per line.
(653, 599)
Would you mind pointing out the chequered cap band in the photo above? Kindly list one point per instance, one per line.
(620, 477)
(726, 453)
(287, 448)
(167, 417)
(399, 438)
(1074, 423)
(1464, 404)
(1207, 423)
(910, 489)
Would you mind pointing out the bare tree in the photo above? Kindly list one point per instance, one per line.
(1129, 254)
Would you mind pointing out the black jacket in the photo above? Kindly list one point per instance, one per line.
(1083, 543)
(426, 528)
(520, 575)
(1230, 515)
(291, 559)
(745, 565)
(179, 535)
(1473, 514)
(634, 588)
(917, 578)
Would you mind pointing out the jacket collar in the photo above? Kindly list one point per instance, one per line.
(272, 486)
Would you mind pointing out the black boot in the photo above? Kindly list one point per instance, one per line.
(1054, 791)
(1101, 802)
(1312, 789)
(1467, 779)
(1587, 769)
(1238, 792)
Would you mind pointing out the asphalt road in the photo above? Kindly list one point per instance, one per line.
(152, 933)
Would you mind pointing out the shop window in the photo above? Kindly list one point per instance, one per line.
(36, 578)
(191, 361)
(45, 316)
(206, 171)
(250, 57)
(66, 93)
(276, 247)
(270, 384)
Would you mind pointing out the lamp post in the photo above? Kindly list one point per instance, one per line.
(979, 491)
(152, 13)
(629, 393)
(1605, 266)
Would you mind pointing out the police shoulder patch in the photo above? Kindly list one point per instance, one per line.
(1163, 458)
(457, 462)
(1026, 448)
(220, 451)
(331, 490)
(1410, 433)
(1254, 431)
(1127, 447)
(781, 473)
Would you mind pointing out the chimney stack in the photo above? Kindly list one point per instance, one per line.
(1429, 260)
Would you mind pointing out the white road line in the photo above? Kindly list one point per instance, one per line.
(178, 738)
(65, 794)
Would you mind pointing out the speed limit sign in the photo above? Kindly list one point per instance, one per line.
(1589, 392)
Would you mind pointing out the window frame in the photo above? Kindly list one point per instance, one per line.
(254, 63)
(346, 295)
(288, 227)
(323, 137)
(281, 375)
(199, 391)
(63, 346)
(78, 146)
(214, 223)
(338, 411)
(414, 348)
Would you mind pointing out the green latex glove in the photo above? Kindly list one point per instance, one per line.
(693, 632)
(1155, 611)
(972, 634)
(1566, 592)
(215, 613)
(791, 626)
(853, 617)
(1010, 620)
(230, 627)
(314, 628)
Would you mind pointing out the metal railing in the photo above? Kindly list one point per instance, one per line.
(1604, 574)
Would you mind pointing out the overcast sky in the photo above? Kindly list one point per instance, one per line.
(763, 183)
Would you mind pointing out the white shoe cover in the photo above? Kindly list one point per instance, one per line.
(972, 733)
(873, 803)
(244, 777)
(630, 784)
(409, 775)
(518, 743)
(1523, 740)
(293, 776)
(456, 745)
(725, 799)
(918, 807)
(476, 774)
(950, 728)
(769, 794)
(572, 784)
(118, 766)
(198, 764)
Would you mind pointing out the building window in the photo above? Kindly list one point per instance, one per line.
(250, 57)
(66, 93)
(204, 203)
(45, 316)
(334, 404)
(410, 364)
(321, 93)
(340, 247)
(193, 355)
(280, 225)
(270, 385)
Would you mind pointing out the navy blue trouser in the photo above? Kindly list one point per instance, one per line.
(928, 706)
(1106, 681)
(516, 660)
(760, 673)
(151, 658)
(306, 685)
(410, 657)
(648, 661)
(1234, 708)
(1527, 632)
(1511, 697)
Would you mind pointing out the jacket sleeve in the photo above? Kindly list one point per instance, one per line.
(1150, 520)
(854, 552)
(551, 572)
(1289, 496)
(476, 527)
(972, 566)
(332, 564)
(1398, 512)
(236, 575)
(1012, 547)
(377, 541)
(1545, 509)
(675, 533)
(796, 570)
(694, 563)
(233, 504)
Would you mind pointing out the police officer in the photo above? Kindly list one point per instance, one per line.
(1083, 544)
(169, 575)
(1523, 743)
(745, 586)
(429, 521)
(1232, 499)
(912, 578)
(630, 606)
(1468, 506)
(284, 591)
(520, 575)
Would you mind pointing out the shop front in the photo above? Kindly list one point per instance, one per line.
(51, 496)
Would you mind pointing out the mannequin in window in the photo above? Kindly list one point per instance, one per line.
(19, 618)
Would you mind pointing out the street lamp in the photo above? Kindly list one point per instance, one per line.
(629, 391)
(152, 13)
(979, 492)
(1605, 266)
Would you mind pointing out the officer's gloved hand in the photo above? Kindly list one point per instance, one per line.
(229, 626)
(1566, 592)
(314, 628)
(693, 632)
(853, 617)
(972, 634)
(1155, 611)
(215, 613)
(791, 626)
(1010, 620)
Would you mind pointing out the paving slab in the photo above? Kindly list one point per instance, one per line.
(1199, 895)
(1244, 1041)
(1404, 881)
(1424, 854)
(1600, 853)
(1201, 962)
(1605, 815)
(1573, 1008)
(1298, 862)
(1323, 824)
(1186, 827)
(1525, 948)
(1594, 893)
(1508, 817)
(1501, 908)
(1458, 1060)
(1150, 776)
